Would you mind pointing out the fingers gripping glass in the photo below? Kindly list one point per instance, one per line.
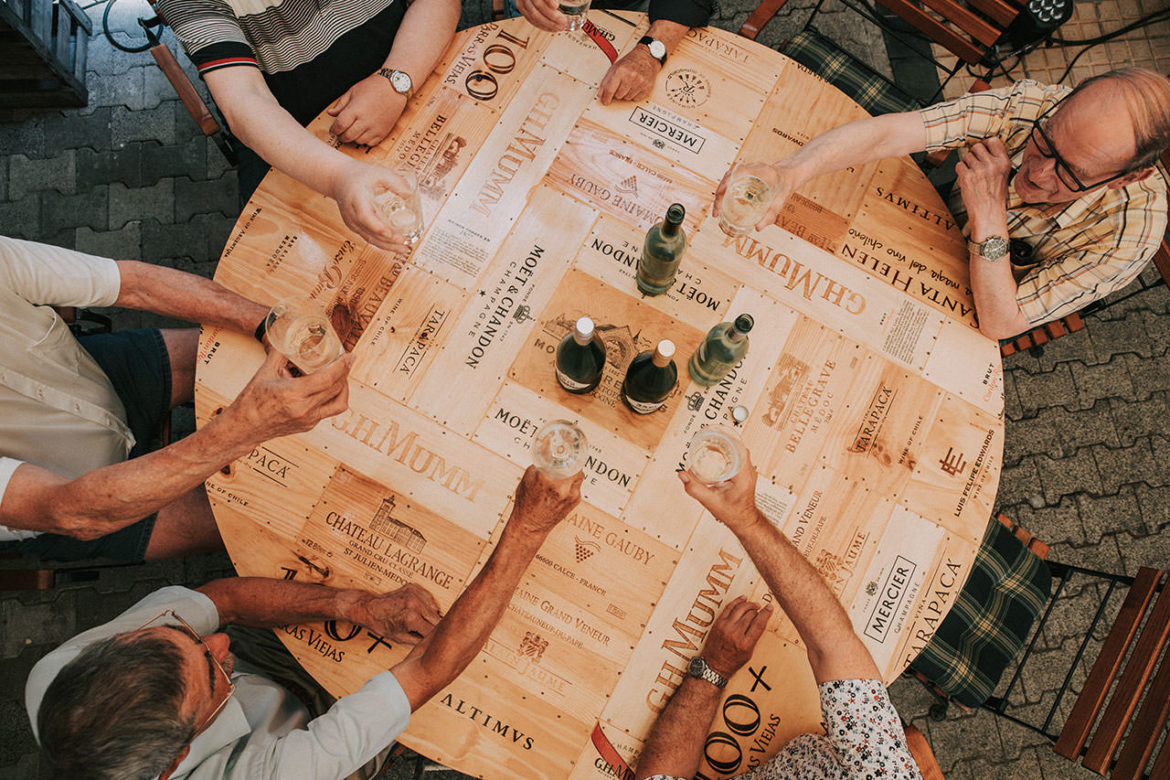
(219, 680)
(1047, 149)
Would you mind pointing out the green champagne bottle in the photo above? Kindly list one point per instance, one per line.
(580, 358)
(725, 345)
(662, 252)
(650, 378)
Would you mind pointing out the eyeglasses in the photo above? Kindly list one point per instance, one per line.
(215, 670)
(1064, 172)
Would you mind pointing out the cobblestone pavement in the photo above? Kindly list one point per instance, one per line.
(1088, 421)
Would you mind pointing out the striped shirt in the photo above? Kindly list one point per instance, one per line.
(1082, 250)
(310, 51)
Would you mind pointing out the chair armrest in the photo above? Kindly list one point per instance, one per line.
(760, 17)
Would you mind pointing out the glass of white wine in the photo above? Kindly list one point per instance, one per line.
(715, 455)
(745, 200)
(298, 329)
(576, 11)
(559, 449)
(402, 210)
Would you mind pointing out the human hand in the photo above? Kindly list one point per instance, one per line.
(733, 502)
(274, 403)
(734, 635)
(631, 77)
(780, 179)
(356, 188)
(543, 14)
(366, 113)
(542, 502)
(982, 176)
(408, 614)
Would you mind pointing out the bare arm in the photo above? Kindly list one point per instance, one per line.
(855, 143)
(675, 744)
(261, 123)
(273, 404)
(404, 615)
(540, 504)
(185, 296)
(368, 110)
(834, 649)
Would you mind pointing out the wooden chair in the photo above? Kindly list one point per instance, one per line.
(1119, 717)
(968, 31)
(923, 755)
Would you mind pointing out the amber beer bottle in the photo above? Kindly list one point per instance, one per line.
(580, 358)
(662, 251)
(650, 378)
(725, 345)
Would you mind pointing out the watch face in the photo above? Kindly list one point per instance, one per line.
(658, 49)
(400, 81)
(993, 248)
(697, 667)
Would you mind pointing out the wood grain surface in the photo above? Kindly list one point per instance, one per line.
(876, 406)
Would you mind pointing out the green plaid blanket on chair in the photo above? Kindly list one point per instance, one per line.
(986, 628)
(870, 89)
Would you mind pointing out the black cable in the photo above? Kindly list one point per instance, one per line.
(145, 24)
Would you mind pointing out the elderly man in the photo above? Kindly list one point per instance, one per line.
(1057, 192)
(78, 413)
(273, 66)
(151, 694)
(632, 76)
(864, 734)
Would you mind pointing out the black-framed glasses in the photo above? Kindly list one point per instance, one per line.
(1064, 173)
(172, 619)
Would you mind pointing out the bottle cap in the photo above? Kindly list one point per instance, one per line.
(584, 329)
(739, 414)
(665, 349)
(676, 213)
(744, 323)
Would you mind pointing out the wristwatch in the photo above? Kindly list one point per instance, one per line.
(699, 668)
(991, 249)
(400, 80)
(657, 48)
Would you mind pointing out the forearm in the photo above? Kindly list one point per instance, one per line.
(109, 498)
(670, 33)
(857, 143)
(473, 616)
(675, 744)
(834, 649)
(261, 602)
(185, 296)
(423, 36)
(993, 286)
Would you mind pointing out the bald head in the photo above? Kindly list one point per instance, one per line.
(1139, 94)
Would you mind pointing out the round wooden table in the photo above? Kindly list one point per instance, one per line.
(875, 405)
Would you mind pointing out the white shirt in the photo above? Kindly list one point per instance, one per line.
(264, 731)
(58, 409)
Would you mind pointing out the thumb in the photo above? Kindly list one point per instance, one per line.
(274, 363)
(339, 105)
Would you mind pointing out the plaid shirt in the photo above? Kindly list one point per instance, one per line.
(1082, 250)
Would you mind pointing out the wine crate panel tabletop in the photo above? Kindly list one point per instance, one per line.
(875, 405)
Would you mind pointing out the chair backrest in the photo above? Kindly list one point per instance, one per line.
(1135, 702)
(923, 755)
(967, 30)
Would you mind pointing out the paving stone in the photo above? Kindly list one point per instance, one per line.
(1154, 503)
(70, 130)
(73, 211)
(26, 624)
(159, 162)
(1151, 549)
(3, 178)
(37, 175)
(1036, 435)
(1060, 523)
(1020, 484)
(1011, 398)
(1115, 337)
(1102, 556)
(124, 243)
(1102, 515)
(140, 203)
(148, 124)
(1157, 323)
(110, 89)
(26, 138)
(1148, 375)
(1052, 388)
(180, 245)
(217, 164)
(1065, 476)
(1105, 380)
(1134, 420)
(21, 218)
(219, 196)
(110, 165)
(1073, 346)
(1127, 466)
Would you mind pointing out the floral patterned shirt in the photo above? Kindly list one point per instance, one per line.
(864, 740)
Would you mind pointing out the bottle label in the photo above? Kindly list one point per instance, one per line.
(569, 383)
(642, 407)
